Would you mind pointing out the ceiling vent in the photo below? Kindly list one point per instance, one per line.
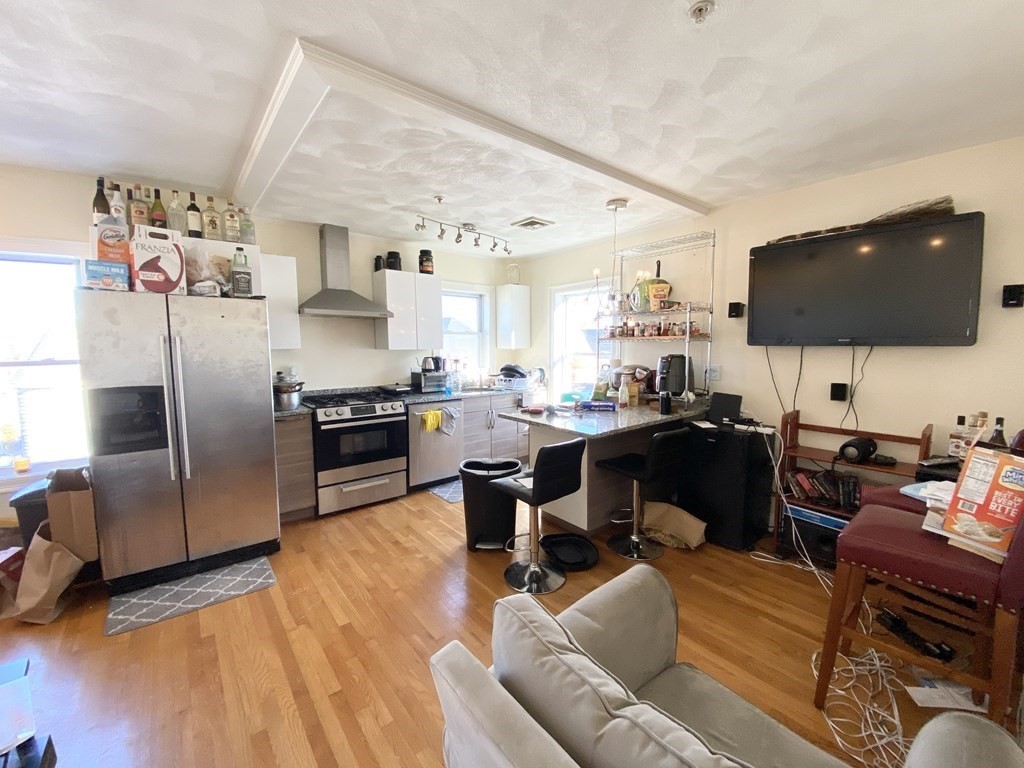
(532, 223)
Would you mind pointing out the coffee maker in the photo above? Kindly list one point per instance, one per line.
(672, 374)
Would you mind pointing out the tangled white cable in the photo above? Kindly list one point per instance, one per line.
(860, 709)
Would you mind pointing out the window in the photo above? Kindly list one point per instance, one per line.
(576, 355)
(466, 338)
(41, 410)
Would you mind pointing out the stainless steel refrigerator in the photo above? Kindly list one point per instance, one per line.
(181, 427)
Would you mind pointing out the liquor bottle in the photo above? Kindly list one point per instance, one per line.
(241, 275)
(157, 213)
(117, 206)
(956, 437)
(230, 226)
(195, 217)
(100, 205)
(1018, 442)
(997, 437)
(138, 211)
(177, 218)
(211, 221)
(147, 195)
(247, 227)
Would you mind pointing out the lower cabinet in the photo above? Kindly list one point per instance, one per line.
(485, 436)
(296, 484)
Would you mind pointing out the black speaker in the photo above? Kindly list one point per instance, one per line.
(1013, 295)
(857, 450)
(736, 308)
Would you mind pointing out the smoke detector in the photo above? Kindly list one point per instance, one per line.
(532, 223)
(701, 9)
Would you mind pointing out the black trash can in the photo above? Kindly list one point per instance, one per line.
(30, 505)
(490, 514)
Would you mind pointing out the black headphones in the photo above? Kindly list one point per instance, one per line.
(857, 450)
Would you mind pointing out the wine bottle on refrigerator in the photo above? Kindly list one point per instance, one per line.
(230, 223)
(194, 216)
(100, 205)
(177, 218)
(138, 211)
(997, 437)
(246, 227)
(211, 221)
(157, 212)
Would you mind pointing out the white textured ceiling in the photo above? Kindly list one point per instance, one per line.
(764, 96)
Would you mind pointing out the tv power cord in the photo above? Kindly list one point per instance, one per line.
(898, 626)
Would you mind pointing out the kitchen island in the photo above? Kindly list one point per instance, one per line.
(607, 435)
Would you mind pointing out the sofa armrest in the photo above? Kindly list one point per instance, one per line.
(484, 725)
(959, 739)
(628, 625)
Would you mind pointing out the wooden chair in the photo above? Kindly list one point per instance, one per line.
(923, 573)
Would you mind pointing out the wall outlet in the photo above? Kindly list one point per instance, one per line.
(714, 373)
(839, 391)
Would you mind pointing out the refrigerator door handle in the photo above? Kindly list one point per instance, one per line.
(181, 408)
(164, 352)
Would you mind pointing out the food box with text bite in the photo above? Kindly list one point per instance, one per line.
(158, 261)
(988, 499)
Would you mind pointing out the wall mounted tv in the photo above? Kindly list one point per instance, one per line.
(914, 284)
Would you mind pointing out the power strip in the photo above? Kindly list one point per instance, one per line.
(764, 430)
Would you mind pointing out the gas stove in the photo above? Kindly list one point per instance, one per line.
(357, 404)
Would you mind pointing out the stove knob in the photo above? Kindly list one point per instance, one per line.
(395, 406)
(328, 412)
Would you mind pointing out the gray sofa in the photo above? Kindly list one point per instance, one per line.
(599, 687)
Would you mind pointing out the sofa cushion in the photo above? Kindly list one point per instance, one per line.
(587, 710)
(730, 724)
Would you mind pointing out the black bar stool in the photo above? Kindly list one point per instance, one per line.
(665, 453)
(556, 473)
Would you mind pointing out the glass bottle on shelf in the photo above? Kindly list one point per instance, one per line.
(241, 275)
(138, 211)
(157, 212)
(246, 227)
(211, 221)
(194, 216)
(118, 206)
(177, 217)
(229, 223)
(997, 437)
(100, 204)
(956, 437)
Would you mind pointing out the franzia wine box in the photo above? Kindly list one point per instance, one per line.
(105, 275)
(988, 499)
(158, 260)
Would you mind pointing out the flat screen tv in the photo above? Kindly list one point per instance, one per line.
(914, 284)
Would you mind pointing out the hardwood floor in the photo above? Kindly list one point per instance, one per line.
(329, 667)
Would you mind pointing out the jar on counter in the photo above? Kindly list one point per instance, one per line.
(426, 262)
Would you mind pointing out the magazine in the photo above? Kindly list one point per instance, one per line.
(988, 500)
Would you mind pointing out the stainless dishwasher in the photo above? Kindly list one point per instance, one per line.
(433, 456)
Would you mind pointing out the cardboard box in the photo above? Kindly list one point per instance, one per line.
(109, 242)
(69, 505)
(105, 275)
(158, 260)
(988, 500)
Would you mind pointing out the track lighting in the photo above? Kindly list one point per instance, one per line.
(444, 226)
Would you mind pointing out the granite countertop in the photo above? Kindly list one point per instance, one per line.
(412, 397)
(601, 423)
(299, 413)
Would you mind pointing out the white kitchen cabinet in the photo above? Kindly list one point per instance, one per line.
(415, 301)
(513, 316)
(429, 328)
(282, 292)
(396, 290)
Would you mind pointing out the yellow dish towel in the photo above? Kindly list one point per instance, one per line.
(430, 420)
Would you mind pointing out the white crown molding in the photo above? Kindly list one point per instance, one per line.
(311, 72)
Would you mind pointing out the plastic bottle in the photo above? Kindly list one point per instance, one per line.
(624, 395)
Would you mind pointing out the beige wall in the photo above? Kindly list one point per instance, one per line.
(904, 387)
(336, 352)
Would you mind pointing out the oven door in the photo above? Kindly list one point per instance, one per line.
(351, 450)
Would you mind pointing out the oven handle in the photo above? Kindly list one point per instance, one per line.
(342, 425)
(361, 486)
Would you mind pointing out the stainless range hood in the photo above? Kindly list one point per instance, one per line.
(337, 297)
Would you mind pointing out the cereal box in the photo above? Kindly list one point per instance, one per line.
(988, 499)
(158, 261)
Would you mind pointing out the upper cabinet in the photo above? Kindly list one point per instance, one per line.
(513, 316)
(282, 292)
(415, 301)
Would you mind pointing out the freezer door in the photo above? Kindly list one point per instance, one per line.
(221, 360)
(124, 349)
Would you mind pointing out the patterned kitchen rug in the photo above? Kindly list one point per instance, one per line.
(164, 601)
(450, 492)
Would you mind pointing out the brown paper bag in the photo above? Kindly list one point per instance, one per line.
(11, 562)
(48, 570)
(672, 526)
